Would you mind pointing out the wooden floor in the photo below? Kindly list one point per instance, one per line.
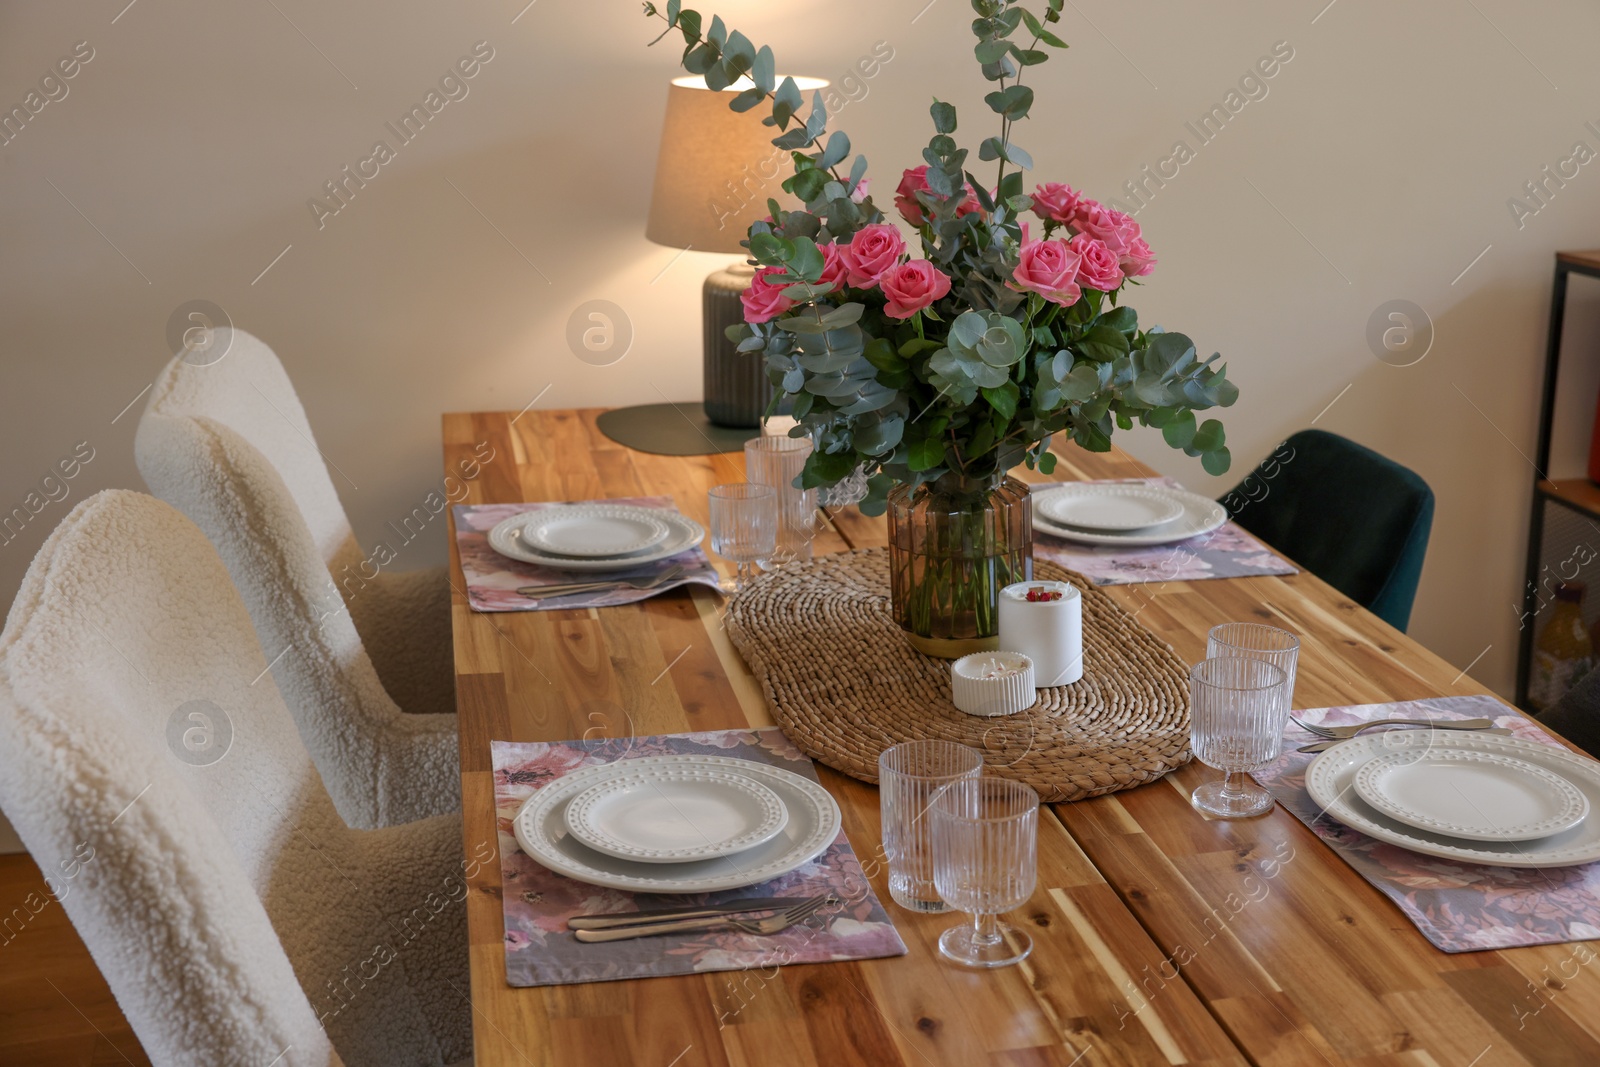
(55, 1008)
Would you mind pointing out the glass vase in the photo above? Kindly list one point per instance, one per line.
(953, 545)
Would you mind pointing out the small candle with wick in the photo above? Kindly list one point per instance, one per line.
(1044, 621)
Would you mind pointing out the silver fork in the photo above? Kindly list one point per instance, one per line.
(772, 925)
(650, 581)
(1343, 732)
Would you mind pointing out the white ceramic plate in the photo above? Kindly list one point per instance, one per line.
(675, 814)
(593, 532)
(1481, 796)
(1109, 508)
(1331, 782)
(813, 824)
(683, 533)
(1200, 515)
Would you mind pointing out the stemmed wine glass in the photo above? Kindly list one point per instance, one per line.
(744, 526)
(1240, 706)
(985, 861)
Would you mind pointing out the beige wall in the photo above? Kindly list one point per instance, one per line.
(1377, 166)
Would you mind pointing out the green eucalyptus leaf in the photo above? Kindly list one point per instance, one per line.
(838, 148)
(1179, 432)
(746, 100)
(1217, 463)
(991, 51)
(1210, 436)
(944, 117)
(1011, 102)
(785, 102)
(762, 71)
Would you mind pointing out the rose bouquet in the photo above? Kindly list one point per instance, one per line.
(940, 368)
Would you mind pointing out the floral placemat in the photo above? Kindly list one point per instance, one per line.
(1460, 907)
(538, 902)
(493, 579)
(1226, 552)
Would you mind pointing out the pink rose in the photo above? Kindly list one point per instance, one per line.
(1098, 221)
(911, 287)
(1098, 267)
(916, 181)
(833, 268)
(861, 190)
(763, 300)
(1049, 268)
(1137, 261)
(1055, 202)
(872, 251)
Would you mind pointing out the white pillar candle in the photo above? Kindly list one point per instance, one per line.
(1047, 629)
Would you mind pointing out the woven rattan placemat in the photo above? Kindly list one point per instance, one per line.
(844, 685)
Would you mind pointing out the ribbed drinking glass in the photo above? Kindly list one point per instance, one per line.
(1239, 707)
(778, 461)
(1259, 641)
(909, 774)
(744, 526)
(985, 860)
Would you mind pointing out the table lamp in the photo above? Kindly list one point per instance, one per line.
(715, 172)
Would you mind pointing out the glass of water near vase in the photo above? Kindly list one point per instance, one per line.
(953, 545)
(777, 461)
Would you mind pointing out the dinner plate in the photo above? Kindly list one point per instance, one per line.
(683, 533)
(1481, 796)
(1330, 779)
(1110, 508)
(593, 532)
(675, 814)
(814, 821)
(1200, 515)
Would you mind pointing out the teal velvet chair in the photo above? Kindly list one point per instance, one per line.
(1350, 516)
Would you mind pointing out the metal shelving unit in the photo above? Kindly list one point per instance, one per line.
(1576, 500)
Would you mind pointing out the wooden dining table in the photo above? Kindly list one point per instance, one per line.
(1161, 936)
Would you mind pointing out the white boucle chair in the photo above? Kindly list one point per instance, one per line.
(236, 917)
(228, 445)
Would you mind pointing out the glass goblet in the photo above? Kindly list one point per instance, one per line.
(1239, 707)
(744, 526)
(985, 861)
(1259, 641)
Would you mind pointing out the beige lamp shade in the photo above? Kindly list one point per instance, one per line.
(716, 169)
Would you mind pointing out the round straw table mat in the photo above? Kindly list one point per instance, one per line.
(844, 684)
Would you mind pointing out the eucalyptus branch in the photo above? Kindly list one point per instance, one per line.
(761, 94)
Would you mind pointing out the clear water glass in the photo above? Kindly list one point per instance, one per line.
(909, 774)
(985, 861)
(1259, 641)
(1239, 707)
(778, 461)
(744, 526)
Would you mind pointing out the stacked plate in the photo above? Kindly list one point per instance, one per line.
(1124, 513)
(595, 537)
(677, 824)
(1476, 798)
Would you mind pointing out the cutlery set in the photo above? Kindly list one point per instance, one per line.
(740, 915)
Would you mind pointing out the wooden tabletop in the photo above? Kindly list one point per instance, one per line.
(1162, 936)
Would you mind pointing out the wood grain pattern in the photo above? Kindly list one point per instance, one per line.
(1162, 936)
(55, 1007)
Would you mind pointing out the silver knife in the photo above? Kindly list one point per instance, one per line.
(691, 911)
(1323, 746)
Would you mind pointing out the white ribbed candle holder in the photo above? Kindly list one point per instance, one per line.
(992, 683)
(1049, 632)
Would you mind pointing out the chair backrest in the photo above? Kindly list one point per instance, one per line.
(247, 390)
(228, 445)
(125, 618)
(149, 764)
(1354, 518)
